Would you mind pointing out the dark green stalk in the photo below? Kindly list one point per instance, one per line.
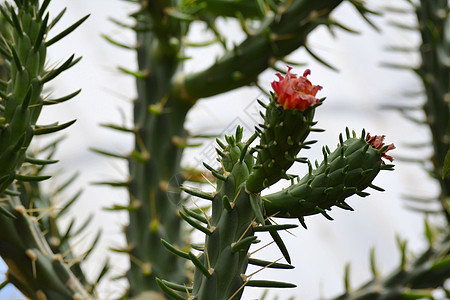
(159, 116)
(434, 71)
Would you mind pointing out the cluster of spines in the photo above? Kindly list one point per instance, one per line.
(345, 172)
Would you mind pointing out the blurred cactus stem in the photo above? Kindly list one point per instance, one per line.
(154, 165)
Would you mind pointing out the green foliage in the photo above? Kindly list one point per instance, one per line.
(415, 277)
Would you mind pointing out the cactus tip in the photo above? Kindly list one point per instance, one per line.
(302, 222)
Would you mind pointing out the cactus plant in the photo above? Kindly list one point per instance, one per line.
(39, 255)
(239, 212)
(166, 94)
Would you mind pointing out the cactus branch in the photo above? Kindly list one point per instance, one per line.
(284, 32)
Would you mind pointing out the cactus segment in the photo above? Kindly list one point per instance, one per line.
(349, 170)
(224, 256)
(226, 248)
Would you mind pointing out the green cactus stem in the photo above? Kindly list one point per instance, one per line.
(348, 170)
(24, 48)
(229, 232)
(231, 228)
(434, 71)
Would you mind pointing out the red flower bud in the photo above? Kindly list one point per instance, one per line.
(376, 142)
(295, 93)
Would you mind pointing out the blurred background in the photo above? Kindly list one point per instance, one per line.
(355, 95)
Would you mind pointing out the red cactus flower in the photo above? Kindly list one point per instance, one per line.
(376, 142)
(295, 93)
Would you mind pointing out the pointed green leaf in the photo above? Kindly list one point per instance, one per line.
(199, 265)
(31, 178)
(6, 212)
(167, 290)
(270, 284)
(243, 243)
(274, 227)
(66, 32)
(174, 250)
(276, 237)
(40, 161)
(61, 99)
(269, 264)
(52, 128)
